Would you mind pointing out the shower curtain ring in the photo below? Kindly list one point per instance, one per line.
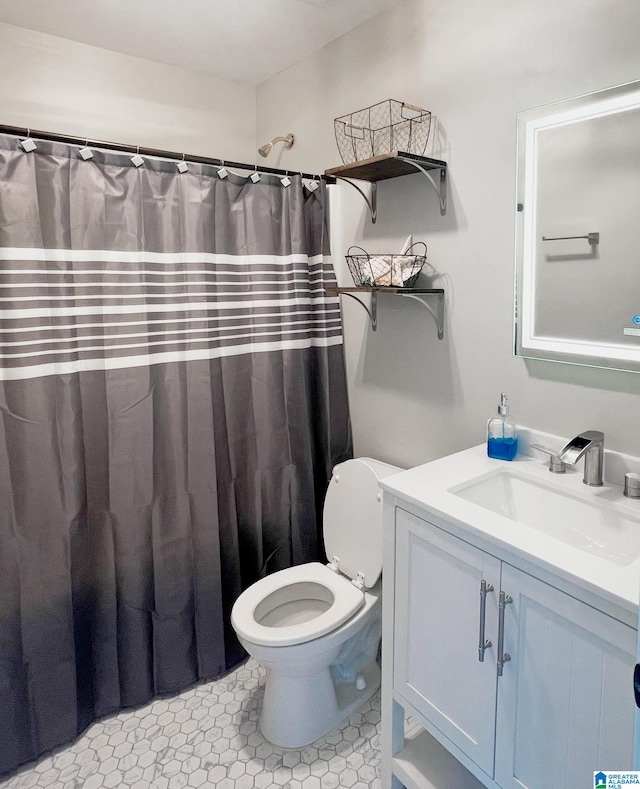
(182, 165)
(137, 160)
(222, 172)
(255, 175)
(28, 145)
(86, 153)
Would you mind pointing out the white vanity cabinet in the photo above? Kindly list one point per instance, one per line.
(561, 705)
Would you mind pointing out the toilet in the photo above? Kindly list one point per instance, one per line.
(316, 628)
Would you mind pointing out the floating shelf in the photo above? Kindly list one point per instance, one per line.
(391, 165)
(421, 295)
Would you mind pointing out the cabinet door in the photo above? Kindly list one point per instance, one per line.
(437, 619)
(565, 708)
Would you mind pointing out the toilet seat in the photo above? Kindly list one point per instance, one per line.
(340, 595)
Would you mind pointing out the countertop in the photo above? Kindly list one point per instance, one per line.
(429, 488)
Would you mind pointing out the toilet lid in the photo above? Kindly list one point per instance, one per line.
(352, 520)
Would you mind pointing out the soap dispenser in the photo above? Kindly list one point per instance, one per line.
(502, 434)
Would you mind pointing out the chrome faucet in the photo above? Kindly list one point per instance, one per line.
(556, 466)
(591, 445)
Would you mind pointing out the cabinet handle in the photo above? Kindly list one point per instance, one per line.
(482, 642)
(503, 657)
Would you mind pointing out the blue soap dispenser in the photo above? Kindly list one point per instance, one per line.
(502, 433)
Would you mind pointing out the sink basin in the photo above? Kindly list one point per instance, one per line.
(591, 525)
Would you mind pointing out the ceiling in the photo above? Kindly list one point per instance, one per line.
(244, 40)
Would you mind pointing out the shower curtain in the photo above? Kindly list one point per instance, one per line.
(172, 401)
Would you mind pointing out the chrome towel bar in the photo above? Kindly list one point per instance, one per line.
(592, 238)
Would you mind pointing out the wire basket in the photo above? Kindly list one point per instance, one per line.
(382, 128)
(390, 271)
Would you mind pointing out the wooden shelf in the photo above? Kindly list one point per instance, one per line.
(383, 289)
(421, 295)
(391, 165)
(387, 165)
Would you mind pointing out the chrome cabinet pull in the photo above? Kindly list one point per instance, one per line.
(482, 642)
(503, 657)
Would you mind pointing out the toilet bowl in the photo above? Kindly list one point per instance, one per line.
(316, 628)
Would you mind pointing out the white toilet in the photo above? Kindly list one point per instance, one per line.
(316, 628)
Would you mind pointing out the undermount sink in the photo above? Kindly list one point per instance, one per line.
(593, 526)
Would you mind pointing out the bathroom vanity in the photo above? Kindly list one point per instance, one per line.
(510, 623)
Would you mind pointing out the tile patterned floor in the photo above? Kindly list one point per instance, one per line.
(208, 737)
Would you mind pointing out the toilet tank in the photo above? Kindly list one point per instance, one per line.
(352, 518)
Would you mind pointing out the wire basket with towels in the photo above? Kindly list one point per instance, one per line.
(390, 271)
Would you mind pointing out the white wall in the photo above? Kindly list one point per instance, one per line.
(475, 65)
(61, 86)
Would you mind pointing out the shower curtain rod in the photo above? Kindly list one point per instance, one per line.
(113, 146)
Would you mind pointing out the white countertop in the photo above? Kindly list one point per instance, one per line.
(428, 487)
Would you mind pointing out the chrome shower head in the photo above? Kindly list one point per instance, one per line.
(265, 150)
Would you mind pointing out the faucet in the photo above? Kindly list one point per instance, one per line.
(591, 445)
(556, 466)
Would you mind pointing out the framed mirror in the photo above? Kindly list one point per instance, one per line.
(577, 289)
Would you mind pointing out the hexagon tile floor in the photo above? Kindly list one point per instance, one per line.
(207, 737)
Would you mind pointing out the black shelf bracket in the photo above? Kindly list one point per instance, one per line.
(392, 165)
(371, 199)
(440, 187)
(422, 295)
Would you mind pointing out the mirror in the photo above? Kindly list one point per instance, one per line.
(577, 295)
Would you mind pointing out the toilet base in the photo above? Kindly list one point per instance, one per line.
(298, 710)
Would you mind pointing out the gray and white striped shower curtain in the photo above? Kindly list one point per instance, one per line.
(172, 401)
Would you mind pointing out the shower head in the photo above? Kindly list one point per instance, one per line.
(265, 150)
